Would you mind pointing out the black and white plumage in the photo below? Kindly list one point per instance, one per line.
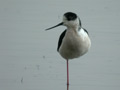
(60, 39)
(74, 41)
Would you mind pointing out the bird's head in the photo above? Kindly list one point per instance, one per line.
(70, 20)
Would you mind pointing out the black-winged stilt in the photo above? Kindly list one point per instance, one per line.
(74, 41)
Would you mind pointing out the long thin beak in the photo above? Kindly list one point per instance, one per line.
(55, 26)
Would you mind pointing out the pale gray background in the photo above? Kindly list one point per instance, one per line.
(28, 56)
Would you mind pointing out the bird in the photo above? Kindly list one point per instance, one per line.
(74, 41)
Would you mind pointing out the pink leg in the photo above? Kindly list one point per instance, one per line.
(67, 73)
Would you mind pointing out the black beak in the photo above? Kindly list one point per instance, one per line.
(55, 26)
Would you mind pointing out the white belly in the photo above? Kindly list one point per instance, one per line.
(74, 44)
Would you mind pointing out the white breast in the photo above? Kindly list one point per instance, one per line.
(74, 44)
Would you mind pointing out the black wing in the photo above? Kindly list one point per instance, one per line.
(60, 39)
(85, 31)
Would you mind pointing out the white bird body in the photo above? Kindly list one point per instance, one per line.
(75, 43)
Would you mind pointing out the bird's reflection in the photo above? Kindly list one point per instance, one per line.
(67, 86)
